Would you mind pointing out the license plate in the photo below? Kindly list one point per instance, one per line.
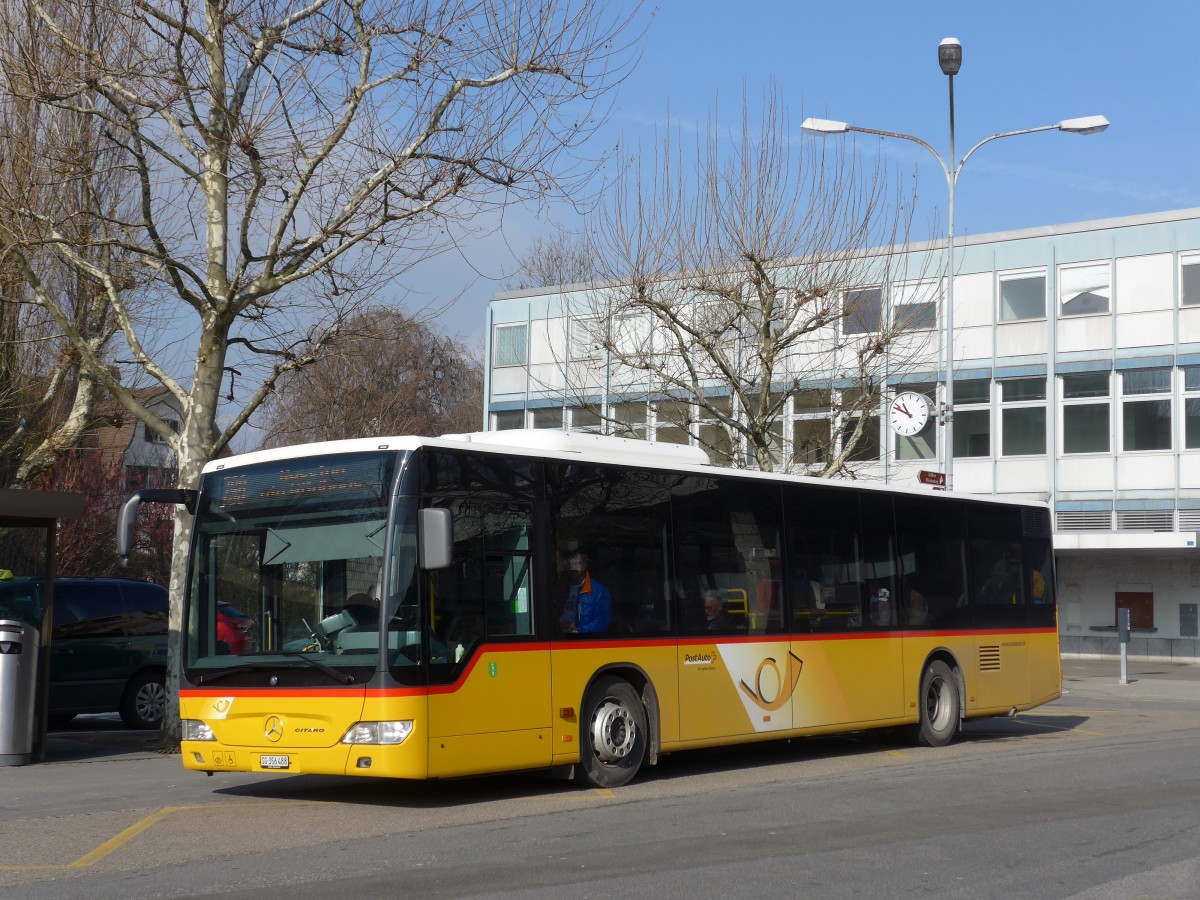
(274, 762)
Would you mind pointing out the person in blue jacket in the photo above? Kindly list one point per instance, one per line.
(587, 606)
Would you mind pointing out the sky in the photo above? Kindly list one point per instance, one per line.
(873, 63)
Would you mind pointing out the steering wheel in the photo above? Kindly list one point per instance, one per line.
(318, 634)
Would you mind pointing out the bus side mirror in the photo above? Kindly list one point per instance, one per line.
(435, 538)
(128, 516)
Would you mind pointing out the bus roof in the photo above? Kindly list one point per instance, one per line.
(581, 447)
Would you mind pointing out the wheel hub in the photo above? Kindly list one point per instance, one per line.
(614, 732)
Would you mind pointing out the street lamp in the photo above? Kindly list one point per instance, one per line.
(950, 60)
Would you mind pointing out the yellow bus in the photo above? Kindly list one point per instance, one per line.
(431, 608)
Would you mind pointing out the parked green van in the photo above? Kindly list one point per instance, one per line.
(108, 645)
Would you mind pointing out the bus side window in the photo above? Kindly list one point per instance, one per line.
(727, 539)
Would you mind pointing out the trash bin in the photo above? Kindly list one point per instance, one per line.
(20, 645)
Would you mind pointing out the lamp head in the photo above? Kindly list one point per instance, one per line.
(824, 126)
(1085, 125)
(950, 56)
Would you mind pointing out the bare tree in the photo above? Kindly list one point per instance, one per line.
(401, 376)
(560, 259)
(52, 159)
(742, 281)
(290, 158)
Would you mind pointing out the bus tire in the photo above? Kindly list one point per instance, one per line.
(613, 732)
(940, 706)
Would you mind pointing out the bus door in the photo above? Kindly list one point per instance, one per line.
(842, 598)
(737, 674)
(999, 608)
(489, 698)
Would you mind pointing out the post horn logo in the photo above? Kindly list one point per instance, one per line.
(274, 728)
(786, 680)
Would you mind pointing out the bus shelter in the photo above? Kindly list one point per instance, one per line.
(28, 526)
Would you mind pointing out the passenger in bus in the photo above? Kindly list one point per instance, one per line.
(716, 617)
(587, 604)
(881, 609)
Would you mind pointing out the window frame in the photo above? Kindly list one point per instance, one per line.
(1067, 402)
(1147, 397)
(1189, 261)
(504, 363)
(1013, 276)
(974, 406)
(926, 309)
(1019, 404)
(1190, 397)
(847, 319)
(1063, 271)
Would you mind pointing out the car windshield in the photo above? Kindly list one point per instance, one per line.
(289, 570)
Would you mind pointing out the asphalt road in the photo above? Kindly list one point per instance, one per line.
(1095, 796)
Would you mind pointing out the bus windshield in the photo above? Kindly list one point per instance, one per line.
(289, 568)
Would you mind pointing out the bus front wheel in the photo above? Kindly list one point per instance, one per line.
(940, 706)
(612, 740)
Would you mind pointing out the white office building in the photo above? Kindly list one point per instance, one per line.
(1076, 381)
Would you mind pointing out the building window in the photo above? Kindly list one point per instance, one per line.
(915, 306)
(628, 419)
(862, 311)
(548, 417)
(508, 419)
(923, 444)
(672, 420)
(1084, 290)
(510, 345)
(1189, 281)
(1146, 421)
(1085, 421)
(1140, 605)
(586, 338)
(1191, 408)
(1023, 416)
(973, 418)
(1022, 296)
(811, 430)
(153, 437)
(715, 438)
(584, 418)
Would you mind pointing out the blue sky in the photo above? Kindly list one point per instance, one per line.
(874, 64)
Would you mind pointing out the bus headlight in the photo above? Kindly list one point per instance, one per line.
(195, 730)
(378, 732)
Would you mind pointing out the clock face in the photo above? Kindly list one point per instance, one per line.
(909, 413)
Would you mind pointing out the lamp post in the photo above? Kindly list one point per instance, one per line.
(950, 60)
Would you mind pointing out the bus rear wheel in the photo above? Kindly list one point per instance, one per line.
(612, 740)
(940, 706)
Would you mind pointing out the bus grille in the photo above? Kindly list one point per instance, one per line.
(989, 659)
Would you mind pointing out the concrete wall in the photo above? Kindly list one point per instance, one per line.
(1087, 602)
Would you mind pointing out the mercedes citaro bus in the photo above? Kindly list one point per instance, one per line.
(411, 618)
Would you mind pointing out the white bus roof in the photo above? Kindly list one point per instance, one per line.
(578, 446)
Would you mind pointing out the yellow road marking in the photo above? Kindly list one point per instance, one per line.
(120, 840)
(124, 837)
(899, 754)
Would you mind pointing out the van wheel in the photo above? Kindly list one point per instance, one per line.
(145, 701)
(939, 704)
(612, 739)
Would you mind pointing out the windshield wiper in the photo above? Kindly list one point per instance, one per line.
(343, 677)
(333, 673)
(235, 670)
